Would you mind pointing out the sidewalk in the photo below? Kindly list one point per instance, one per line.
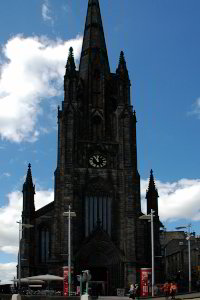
(195, 295)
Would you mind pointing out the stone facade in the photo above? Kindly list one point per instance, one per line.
(96, 174)
(176, 260)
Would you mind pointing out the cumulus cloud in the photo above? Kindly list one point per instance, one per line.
(46, 12)
(7, 271)
(32, 71)
(196, 108)
(177, 200)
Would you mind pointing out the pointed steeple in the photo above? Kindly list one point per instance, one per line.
(28, 184)
(122, 69)
(152, 195)
(94, 45)
(29, 181)
(70, 66)
(152, 186)
(70, 78)
(28, 194)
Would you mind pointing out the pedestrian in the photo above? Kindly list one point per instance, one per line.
(166, 289)
(173, 290)
(132, 291)
(137, 291)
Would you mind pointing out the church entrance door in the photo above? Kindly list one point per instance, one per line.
(99, 281)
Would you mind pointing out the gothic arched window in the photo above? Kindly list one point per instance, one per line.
(44, 244)
(97, 88)
(97, 213)
(96, 127)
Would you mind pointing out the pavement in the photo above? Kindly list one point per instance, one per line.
(195, 295)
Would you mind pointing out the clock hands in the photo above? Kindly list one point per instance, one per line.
(96, 157)
(97, 161)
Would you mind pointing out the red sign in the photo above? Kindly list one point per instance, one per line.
(65, 283)
(145, 281)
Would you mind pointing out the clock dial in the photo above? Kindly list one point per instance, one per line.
(97, 161)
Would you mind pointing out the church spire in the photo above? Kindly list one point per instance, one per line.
(70, 78)
(70, 66)
(94, 45)
(122, 69)
(152, 186)
(28, 194)
(152, 195)
(29, 181)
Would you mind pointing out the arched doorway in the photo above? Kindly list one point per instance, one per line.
(101, 257)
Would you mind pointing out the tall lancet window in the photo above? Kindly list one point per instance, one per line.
(96, 127)
(44, 244)
(98, 213)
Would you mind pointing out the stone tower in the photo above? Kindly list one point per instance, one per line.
(97, 162)
(96, 172)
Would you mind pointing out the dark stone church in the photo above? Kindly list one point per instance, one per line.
(96, 174)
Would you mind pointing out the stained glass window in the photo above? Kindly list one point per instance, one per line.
(97, 213)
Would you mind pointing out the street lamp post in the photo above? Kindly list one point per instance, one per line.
(150, 218)
(69, 214)
(189, 253)
(21, 226)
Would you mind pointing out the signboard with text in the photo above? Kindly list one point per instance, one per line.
(65, 283)
(145, 281)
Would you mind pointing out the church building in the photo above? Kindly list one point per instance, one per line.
(96, 173)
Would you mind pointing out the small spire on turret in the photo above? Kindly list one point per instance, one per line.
(28, 193)
(151, 181)
(29, 175)
(122, 69)
(28, 184)
(70, 66)
(152, 195)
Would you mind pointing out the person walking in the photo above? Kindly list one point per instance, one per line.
(166, 289)
(137, 291)
(173, 290)
(132, 291)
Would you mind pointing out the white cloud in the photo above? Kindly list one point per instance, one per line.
(43, 197)
(32, 72)
(196, 108)
(8, 271)
(46, 12)
(177, 200)
(5, 174)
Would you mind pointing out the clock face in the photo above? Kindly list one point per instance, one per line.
(97, 161)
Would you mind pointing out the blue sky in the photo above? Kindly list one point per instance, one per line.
(161, 44)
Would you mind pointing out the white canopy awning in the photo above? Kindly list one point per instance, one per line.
(46, 277)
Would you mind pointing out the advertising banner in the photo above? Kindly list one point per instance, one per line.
(65, 283)
(145, 281)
